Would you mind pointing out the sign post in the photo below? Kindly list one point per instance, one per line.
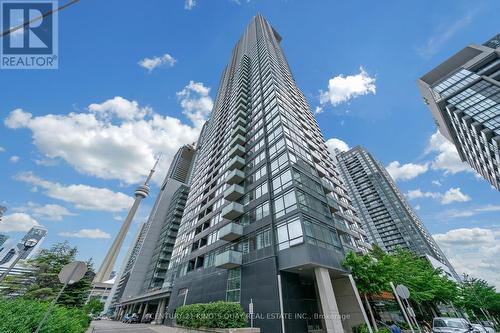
(69, 274)
(250, 311)
(404, 293)
(396, 294)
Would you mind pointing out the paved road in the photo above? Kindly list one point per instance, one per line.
(108, 326)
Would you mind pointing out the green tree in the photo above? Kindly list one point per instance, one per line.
(45, 281)
(94, 306)
(478, 298)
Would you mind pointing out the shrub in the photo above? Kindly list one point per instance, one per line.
(23, 316)
(211, 315)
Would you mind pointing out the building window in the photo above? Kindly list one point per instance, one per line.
(289, 234)
(285, 203)
(233, 285)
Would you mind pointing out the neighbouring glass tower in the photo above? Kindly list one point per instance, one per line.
(37, 233)
(267, 217)
(386, 216)
(463, 95)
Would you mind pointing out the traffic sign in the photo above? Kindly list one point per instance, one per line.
(403, 291)
(72, 272)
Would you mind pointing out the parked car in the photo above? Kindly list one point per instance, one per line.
(478, 328)
(134, 318)
(489, 329)
(451, 325)
(126, 318)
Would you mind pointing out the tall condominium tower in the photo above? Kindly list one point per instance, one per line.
(140, 284)
(37, 233)
(267, 217)
(463, 95)
(386, 216)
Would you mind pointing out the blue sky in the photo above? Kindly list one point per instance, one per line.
(138, 78)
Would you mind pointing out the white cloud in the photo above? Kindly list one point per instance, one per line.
(415, 194)
(417, 207)
(189, 4)
(17, 222)
(406, 171)
(2, 149)
(196, 102)
(318, 110)
(119, 107)
(447, 158)
(86, 233)
(474, 251)
(151, 63)
(344, 88)
(49, 212)
(441, 37)
(14, 159)
(81, 196)
(473, 211)
(436, 182)
(116, 139)
(335, 143)
(452, 195)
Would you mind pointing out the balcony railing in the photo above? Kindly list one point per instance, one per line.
(230, 232)
(232, 211)
(234, 192)
(228, 259)
(235, 177)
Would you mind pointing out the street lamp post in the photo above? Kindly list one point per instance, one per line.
(28, 244)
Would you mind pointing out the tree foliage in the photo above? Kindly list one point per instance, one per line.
(476, 296)
(373, 272)
(94, 306)
(45, 282)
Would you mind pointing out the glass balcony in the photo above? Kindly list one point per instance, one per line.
(239, 130)
(232, 211)
(359, 230)
(230, 232)
(236, 163)
(234, 192)
(332, 204)
(237, 150)
(228, 259)
(239, 122)
(326, 186)
(236, 176)
(238, 140)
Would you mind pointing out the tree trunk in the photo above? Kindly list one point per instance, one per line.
(371, 313)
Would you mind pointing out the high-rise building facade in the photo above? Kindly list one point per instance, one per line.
(36, 233)
(267, 217)
(140, 283)
(463, 95)
(3, 239)
(385, 214)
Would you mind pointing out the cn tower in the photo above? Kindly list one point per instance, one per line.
(108, 263)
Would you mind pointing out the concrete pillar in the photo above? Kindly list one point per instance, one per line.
(332, 319)
(140, 308)
(145, 311)
(160, 311)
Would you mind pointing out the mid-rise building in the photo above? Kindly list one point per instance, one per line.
(140, 284)
(267, 217)
(463, 95)
(35, 233)
(385, 214)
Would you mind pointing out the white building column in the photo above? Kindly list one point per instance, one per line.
(145, 311)
(332, 318)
